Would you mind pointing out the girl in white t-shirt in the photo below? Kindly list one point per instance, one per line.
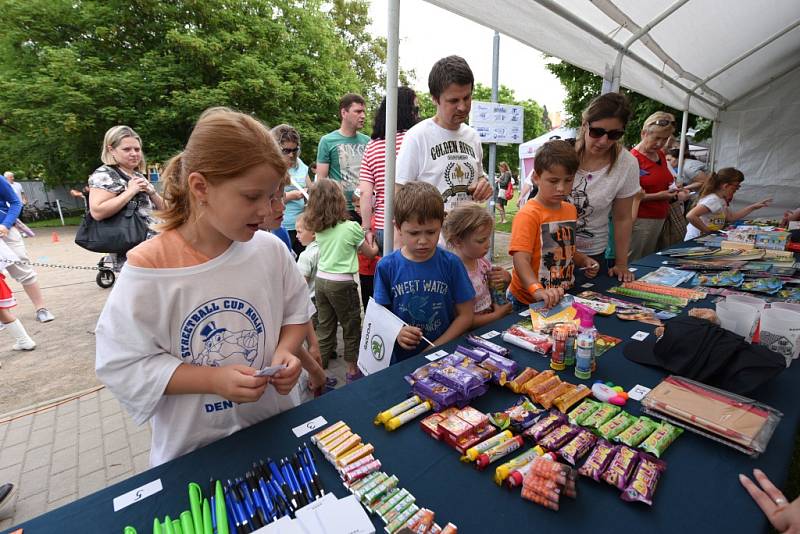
(467, 231)
(207, 303)
(712, 211)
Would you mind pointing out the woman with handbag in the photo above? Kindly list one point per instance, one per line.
(119, 184)
(502, 189)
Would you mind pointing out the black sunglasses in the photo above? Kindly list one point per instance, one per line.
(287, 151)
(662, 122)
(613, 135)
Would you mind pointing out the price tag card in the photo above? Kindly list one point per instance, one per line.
(438, 355)
(587, 285)
(640, 336)
(490, 334)
(638, 392)
(525, 313)
(309, 426)
(138, 494)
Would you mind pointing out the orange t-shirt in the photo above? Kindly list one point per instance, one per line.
(168, 250)
(549, 236)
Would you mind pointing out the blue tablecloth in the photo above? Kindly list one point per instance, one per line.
(699, 492)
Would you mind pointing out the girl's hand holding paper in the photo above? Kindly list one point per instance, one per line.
(285, 379)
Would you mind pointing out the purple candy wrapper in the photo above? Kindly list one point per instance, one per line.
(642, 485)
(503, 369)
(422, 372)
(599, 459)
(456, 379)
(544, 425)
(621, 467)
(558, 437)
(487, 345)
(476, 354)
(440, 395)
(578, 446)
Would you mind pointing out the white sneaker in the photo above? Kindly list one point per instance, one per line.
(7, 492)
(43, 315)
(24, 344)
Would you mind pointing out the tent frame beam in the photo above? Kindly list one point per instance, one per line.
(565, 14)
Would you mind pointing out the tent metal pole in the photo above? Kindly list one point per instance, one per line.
(684, 127)
(392, 67)
(493, 146)
(712, 156)
(617, 73)
(567, 15)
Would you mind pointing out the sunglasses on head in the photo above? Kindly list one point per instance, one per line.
(662, 122)
(613, 135)
(287, 151)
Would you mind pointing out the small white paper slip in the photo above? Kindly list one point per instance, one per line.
(269, 371)
(640, 336)
(284, 525)
(633, 269)
(438, 355)
(638, 392)
(309, 426)
(525, 313)
(345, 516)
(490, 334)
(307, 515)
(587, 285)
(138, 494)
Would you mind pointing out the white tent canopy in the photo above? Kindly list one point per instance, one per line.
(528, 149)
(735, 62)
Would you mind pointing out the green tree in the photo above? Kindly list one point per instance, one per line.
(70, 70)
(533, 125)
(582, 86)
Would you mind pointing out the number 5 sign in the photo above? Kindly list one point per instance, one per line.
(136, 495)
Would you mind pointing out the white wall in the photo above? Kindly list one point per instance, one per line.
(761, 137)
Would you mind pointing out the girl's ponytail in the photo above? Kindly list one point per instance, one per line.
(728, 175)
(176, 195)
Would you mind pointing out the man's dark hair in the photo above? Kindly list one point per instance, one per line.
(349, 99)
(407, 114)
(449, 70)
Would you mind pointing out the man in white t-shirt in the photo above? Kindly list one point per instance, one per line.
(17, 187)
(443, 151)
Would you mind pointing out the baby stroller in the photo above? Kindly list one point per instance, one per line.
(108, 270)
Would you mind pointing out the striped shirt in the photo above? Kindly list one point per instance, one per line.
(373, 170)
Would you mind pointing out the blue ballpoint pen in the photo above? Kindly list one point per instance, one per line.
(234, 518)
(261, 506)
(282, 482)
(295, 481)
(313, 467)
(291, 483)
(306, 484)
(264, 494)
(281, 495)
(278, 505)
(247, 503)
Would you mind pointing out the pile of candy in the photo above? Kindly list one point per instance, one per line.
(545, 482)
(460, 428)
(457, 378)
(377, 491)
(547, 389)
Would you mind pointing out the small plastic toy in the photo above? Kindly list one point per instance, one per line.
(608, 392)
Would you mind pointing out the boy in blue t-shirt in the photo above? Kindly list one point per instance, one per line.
(426, 286)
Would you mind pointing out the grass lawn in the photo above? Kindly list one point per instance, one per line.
(511, 210)
(74, 220)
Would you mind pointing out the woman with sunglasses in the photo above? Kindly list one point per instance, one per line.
(606, 182)
(657, 181)
(289, 141)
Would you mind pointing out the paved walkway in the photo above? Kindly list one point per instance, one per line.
(58, 453)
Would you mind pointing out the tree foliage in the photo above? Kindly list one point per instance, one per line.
(534, 120)
(70, 70)
(582, 86)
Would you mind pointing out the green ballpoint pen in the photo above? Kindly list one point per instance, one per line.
(168, 526)
(222, 513)
(196, 506)
(187, 523)
(208, 527)
(157, 526)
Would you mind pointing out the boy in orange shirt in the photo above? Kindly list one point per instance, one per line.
(543, 232)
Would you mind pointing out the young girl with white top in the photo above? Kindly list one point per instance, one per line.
(201, 307)
(712, 211)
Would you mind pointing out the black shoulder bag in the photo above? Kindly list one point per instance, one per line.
(116, 234)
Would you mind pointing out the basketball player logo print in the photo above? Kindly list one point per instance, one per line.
(223, 331)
